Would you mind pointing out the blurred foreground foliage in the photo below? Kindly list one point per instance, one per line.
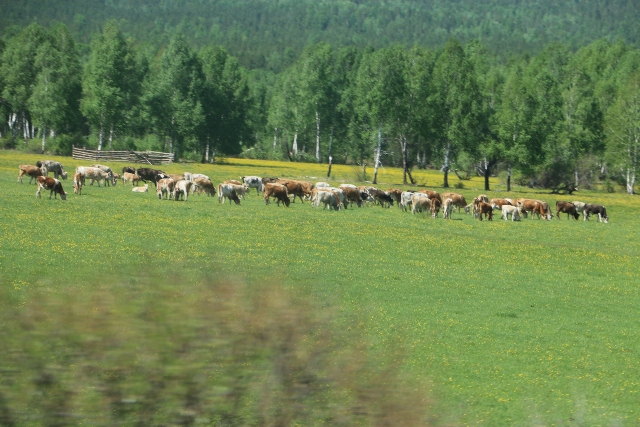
(217, 353)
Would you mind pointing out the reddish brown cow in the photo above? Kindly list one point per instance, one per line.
(458, 199)
(352, 195)
(432, 194)
(278, 192)
(232, 181)
(298, 189)
(395, 194)
(51, 184)
(498, 203)
(435, 207)
(486, 209)
(568, 208)
(31, 170)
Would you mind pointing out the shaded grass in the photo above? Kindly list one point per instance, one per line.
(515, 323)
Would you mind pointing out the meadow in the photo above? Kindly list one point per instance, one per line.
(509, 323)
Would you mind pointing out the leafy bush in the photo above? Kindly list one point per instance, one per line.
(62, 145)
(219, 353)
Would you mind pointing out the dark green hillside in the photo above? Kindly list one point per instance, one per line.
(270, 33)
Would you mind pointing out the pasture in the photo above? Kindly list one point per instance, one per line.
(511, 323)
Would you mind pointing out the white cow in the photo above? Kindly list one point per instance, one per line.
(253, 182)
(144, 189)
(231, 192)
(323, 184)
(53, 166)
(447, 208)
(405, 199)
(326, 198)
(165, 185)
(420, 202)
(108, 170)
(94, 174)
(514, 211)
(182, 187)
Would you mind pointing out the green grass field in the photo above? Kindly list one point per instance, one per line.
(526, 323)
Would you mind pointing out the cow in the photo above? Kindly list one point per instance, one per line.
(322, 184)
(483, 198)
(129, 169)
(33, 171)
(340, 194)
(88, 172)
(458, 200)
(514, 211)
(267, 180)
(53, 166)
(568, 208)
(396, 195)
(405, 200)
(229, 191)
(278, 192)
(596, 209)
(299, 189)
(77, 183)
(204, 184)
(579, 206)
(327, 198)
(498, 203)
(182, 187)
(381, 197)
(148, 174)
(486, 209)
(447, 208)
(432, 194)
(420, 202)
(175, 176)
(435, 207)
(130, 177)
(352, 195)
(232, 181)
(535, 207)
(143, 189)
(108, 170)
(165, 185)
(253, 182)
(51, 184)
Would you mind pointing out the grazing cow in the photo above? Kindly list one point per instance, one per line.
(568, 208)
(175, 176)
(77, 183)
(340, 194)
(182, 187)
(143, 189)
(396, 195)
(538, 207)
(326, 198)
(514, 211)
(253, 182)
(165, 185)
(31, 170)
(278, 192)
(322, 184)
(483, 198)
(348, 186)
(108, 170)
(458, 199)
(229, 191)
(594, 209)
(486, 209)
(579, 206)
(447, 208)
(498, 203)
(148, 174)
(435, 207)
(53, 166)
(405, 199)
(432, 194)
(267, 180)
(204, 184)
(232, 181)
(129, 169)
(94, 174)
(381, 197)
(299, 189)
(420, 202)
(130, 177)
(352, 195)
(51, 184)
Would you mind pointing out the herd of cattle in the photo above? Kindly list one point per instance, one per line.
(177, 186)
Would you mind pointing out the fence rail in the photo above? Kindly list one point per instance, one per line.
(150, 157)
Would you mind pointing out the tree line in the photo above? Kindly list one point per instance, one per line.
(559, 119)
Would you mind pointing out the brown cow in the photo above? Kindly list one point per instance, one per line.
(498, 203)
(31, 170)
(232, 181)
(435, 207)
(568, 208)
(352, 195)
(278, 192)
(458, 200)
(298, 189)
(395, 194)
(50, 184)
(486, 209)
(204, 184)
(432, 194)
(535, 207)
(77, 183)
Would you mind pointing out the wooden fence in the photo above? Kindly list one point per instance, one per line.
(149, 157)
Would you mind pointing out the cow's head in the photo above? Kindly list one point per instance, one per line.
(64, 174)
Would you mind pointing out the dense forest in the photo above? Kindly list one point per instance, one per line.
(558, 117)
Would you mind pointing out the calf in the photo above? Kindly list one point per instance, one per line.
(420, 202)
(31, 170)
(228, 191)
(182, 187)
(596, 209)
(435, 207)
(165, 185)
(143, 189)
(131, 177)
(447, 208)
(278, 192)
(486, 209)
(568, 208)
(514, 211)
(51, 184)
(53, 166)
(77, 183)
(204, 184)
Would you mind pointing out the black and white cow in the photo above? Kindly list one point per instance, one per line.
(599, 210)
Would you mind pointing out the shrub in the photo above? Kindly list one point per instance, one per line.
(459, 185)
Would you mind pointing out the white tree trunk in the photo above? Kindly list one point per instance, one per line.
(275, 138)
(111, 138)
(317, 137)
(100, 137)
(377, 158)
(631, 180)
(294, 147)
(44, 138)
(206, 152)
